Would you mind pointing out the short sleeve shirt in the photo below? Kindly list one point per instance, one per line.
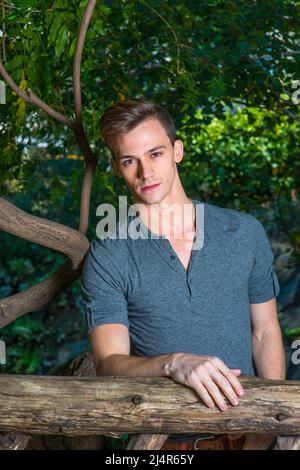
(142, 284)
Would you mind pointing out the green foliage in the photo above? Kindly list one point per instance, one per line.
(116, 443)
(25, 340)
(289, 335)
(224, 70)
(247, 158)
(181, 54)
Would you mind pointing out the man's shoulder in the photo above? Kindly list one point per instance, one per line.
(228, 215)
(230, 219)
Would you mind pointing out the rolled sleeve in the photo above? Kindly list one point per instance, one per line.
(102, 283)
(263, 282)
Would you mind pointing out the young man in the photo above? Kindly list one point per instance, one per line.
(166, 305)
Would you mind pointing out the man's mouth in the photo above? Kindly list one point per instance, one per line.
(147, 189)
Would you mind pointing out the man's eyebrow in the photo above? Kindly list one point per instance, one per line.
(157, 147)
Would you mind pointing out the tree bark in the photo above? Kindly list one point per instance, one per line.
(147, 441)
(81, 366)
(52, 235)
(100, 405)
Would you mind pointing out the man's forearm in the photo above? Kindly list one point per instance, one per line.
(269, 355)
(123, 365)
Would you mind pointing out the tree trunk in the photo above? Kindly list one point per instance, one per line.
(73, 406)
(82, 365)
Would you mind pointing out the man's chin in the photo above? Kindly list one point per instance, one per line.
(149, 199)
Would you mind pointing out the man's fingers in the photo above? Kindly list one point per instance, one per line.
(231, 377)
(225, 388)
(215, 392)
(236, 371)
(203, 394)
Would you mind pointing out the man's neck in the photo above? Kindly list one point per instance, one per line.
(176, 221)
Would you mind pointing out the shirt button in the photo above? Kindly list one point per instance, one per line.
(172, 257)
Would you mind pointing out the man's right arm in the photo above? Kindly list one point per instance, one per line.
(207, 375)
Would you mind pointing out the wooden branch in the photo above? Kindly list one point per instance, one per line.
(281, 106)
(35, 297)
(158, 405)
(43, 232)
(12, 84)
(3, 31)
(86, 197)
(51, 235)
(79, 130)
(77, 125)
(147, 441)
(77, 58)
(33, 99)
(291, 115)
(90, 157)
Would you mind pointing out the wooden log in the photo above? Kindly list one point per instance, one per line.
(13, 441)
(102, 405)
(146, 441)
(81, 366)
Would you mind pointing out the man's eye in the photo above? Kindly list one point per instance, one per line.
(127, 162)
(156, 154)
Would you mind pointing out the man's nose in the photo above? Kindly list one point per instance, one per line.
(145, 170)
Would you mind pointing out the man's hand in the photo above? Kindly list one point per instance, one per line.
(208, 376)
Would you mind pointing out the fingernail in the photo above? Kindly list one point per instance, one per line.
(235, 401)
(224, 407)
(241, 391)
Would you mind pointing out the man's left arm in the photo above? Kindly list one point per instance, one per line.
(267, 344)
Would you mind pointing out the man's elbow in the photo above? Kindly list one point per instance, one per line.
(110, 365)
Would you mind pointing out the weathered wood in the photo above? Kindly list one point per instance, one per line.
(147, 441)
(45, 232)
(158, 405)
(36, 296)
(287, 443)
(13, 441)
(51, 235)
(81, 366)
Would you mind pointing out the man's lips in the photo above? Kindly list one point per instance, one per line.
(150, 188)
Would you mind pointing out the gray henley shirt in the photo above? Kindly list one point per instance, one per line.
(142, 284)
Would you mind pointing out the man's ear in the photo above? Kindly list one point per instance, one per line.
(115, 167)
(178, 151)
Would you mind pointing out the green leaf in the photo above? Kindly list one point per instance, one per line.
(61, 42)
(73, 47)
(54, 29)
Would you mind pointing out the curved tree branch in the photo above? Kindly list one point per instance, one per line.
(77, 125)
(35, 297)
(85, 197)
(51, 235)
(90, 158)
(77, 58)
(44, 232)
(33, 99)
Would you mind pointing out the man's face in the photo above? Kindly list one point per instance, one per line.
(145, 158)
